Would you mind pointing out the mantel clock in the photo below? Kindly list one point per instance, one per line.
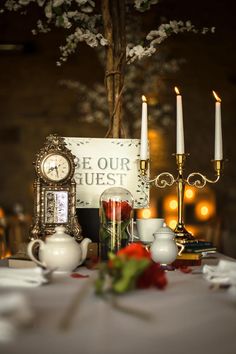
(54, 190)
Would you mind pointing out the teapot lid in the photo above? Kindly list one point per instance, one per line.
(60, 235)
(164, 230)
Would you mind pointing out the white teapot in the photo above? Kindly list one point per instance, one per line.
(60, 251)
(164, 249)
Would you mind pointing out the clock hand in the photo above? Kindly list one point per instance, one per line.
(51, 169)
(56, 168)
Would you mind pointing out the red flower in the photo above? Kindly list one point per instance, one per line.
(77, 275)
(117, 210)
(185, 269)
(152, 276)
(134, 250)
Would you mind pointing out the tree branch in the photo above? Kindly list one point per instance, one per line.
(114, 30)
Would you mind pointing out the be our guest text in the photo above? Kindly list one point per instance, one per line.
(108, 171)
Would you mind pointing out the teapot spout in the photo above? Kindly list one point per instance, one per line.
(84, 248)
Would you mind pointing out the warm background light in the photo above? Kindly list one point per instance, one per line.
(189, 194)
(146, 213)
(199, 209)
(157, 146)
(192, 229)
(170, 203)
(204, 210)
(152, 99)
(2, 214)
(171, 222)
(173, 204)
(7, 254)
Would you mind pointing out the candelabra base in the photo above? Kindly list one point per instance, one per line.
(182, 235)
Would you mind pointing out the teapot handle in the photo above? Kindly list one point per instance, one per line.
(30, 252)
(181, 248)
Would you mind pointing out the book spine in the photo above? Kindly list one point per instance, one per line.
(199, 250)
(186, 262)
(199, 244)
(189, 256)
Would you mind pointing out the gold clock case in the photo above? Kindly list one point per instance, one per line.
(54, 201)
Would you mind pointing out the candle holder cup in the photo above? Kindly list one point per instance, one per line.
(195, 179)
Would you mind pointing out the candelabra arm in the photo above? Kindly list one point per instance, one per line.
(199, 180)
(162, 180)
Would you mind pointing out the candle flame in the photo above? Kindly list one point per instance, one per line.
(177, 91)
(216, 97)
(144, 98)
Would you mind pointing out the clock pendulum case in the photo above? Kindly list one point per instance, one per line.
(54, 190)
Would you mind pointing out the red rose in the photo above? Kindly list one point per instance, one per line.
(152, 276)
(126, 210)
(134, 250)
(117, 211)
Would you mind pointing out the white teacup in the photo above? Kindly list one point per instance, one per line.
(147, 227)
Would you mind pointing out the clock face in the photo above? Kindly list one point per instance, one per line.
(56, 167)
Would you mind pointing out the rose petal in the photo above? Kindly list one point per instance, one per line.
(77, 275)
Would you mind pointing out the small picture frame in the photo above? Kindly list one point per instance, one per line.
(56, 207)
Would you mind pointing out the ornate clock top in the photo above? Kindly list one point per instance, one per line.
(53, 141)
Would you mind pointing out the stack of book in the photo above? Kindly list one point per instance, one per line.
(199, 247)
(193, 252)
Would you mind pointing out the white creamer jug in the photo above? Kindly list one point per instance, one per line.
(164, 249)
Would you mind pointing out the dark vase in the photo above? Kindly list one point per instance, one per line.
(89, 221)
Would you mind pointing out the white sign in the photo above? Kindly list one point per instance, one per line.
(106, 163)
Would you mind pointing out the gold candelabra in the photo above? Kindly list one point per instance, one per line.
(196, 179)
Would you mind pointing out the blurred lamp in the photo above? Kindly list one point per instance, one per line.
(204, 210)
(189, 194)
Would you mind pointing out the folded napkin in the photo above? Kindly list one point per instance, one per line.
(27, 277)
(224, 273)
(15, 313)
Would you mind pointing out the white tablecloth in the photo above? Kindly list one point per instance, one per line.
(188, 317)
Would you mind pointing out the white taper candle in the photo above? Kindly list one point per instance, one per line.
(144, 131)
(179, 124)
(218, 129)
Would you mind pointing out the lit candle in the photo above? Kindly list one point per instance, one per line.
(144, 131)
(179, 124)
(218, 130)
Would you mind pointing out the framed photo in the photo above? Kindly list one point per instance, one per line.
(56, 207)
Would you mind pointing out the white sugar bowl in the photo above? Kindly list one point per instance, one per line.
(60, 251)
(164, 249)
